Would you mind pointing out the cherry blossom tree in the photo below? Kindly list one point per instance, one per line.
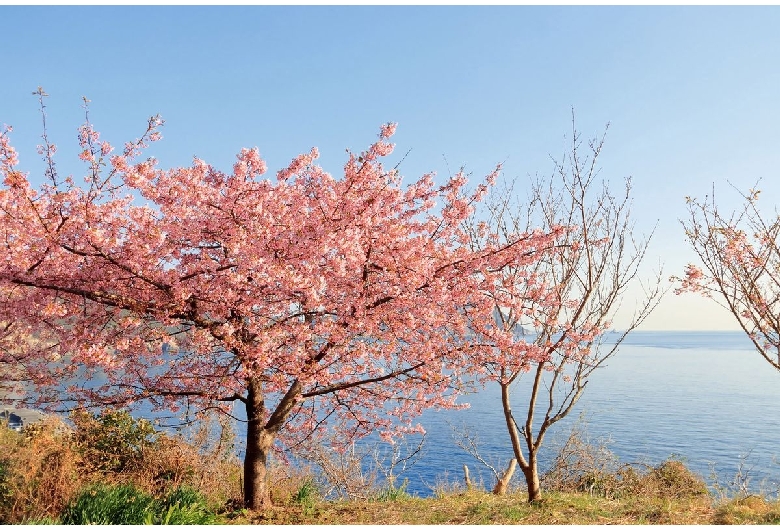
(741, 267)
(551, 317)
(310, 301)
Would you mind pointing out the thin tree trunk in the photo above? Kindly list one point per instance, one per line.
(531, 473)
(514, 436)
(528, 466)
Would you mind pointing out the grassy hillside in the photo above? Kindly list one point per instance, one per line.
(555, 508)
(112, 469)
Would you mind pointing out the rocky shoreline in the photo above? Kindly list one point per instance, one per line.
(15, 417)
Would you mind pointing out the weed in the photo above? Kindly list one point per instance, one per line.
(307, 494)
(185, 496)
(183, 506)
(445, 486)
(750, 509)
(676, 480)
(357, 471)
(582, 466)
(392, 493)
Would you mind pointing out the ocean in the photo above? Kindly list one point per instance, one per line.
(706, 398)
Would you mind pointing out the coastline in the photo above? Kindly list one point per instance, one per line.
(13, 414)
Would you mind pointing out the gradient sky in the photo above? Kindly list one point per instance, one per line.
(691, 94)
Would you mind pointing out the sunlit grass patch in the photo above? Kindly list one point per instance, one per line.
(752, 509)
(484, 508)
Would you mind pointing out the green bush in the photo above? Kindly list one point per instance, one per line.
(112, 440)
(109, 504)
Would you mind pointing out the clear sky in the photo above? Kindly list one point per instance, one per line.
(691, 94)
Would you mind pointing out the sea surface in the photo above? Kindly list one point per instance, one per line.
(706, 398)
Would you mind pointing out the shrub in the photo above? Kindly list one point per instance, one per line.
(200, 457)
(112, 440)
(590, 467)
(5, 477)
(674, 479)
(582, 465)
(748, 510)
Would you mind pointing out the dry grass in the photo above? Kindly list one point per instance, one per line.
(666, 494)
(590, 467)
(41, 472)
(749, 510)
(484, 508)
(587, 486)
(43, 468)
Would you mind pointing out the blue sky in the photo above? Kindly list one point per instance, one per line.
(691, 94)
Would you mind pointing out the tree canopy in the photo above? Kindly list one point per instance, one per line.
(309, 299)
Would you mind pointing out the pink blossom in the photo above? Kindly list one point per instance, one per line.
(388, 130)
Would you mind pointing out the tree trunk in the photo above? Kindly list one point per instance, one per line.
(531, 473)
(528, 466)
(260, 439)
(259, 442)
(503, 483)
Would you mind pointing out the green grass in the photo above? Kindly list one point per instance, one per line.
(393, 493)
(183, 506)
(122, 504)
(109, 504)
